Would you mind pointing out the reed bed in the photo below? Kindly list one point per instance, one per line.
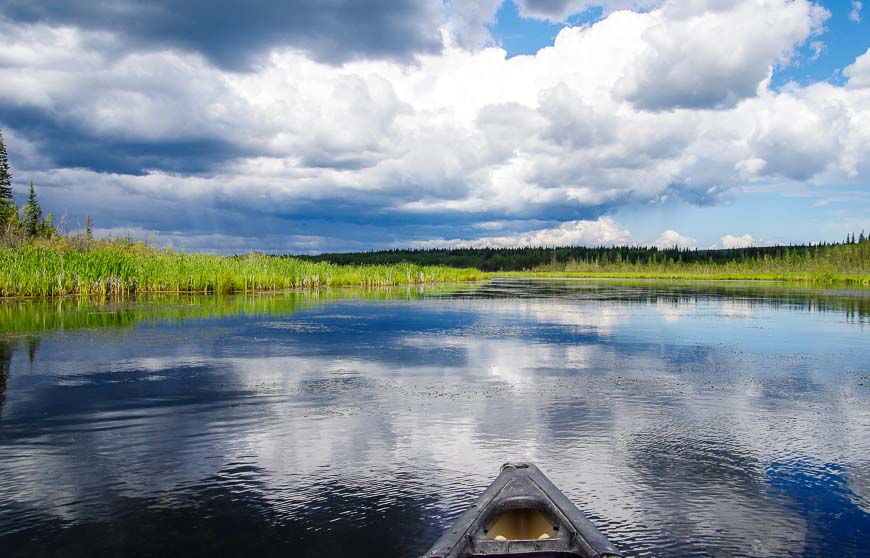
(57, 268)
(835, 264)
(690, 275)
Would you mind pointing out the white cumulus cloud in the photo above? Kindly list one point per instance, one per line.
(603, 231)
(714, 54)
(858, 72)
(745, 241)
(671, 238)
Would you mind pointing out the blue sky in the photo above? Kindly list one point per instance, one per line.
(307, 127)
(770, 217)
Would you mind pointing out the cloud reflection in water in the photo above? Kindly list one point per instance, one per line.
(681, 422)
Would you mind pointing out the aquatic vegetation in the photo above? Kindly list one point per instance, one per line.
(828, 263)
(710, 274)
(58, 267)
(838, 263)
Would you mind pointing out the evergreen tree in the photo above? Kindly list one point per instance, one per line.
(32, 214)
(7, 200)
(862, 237)
(89, 228)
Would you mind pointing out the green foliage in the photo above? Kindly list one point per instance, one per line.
(46, 227)
(32, 215)
(7, 200)
(822, 262)
(60, 267)
(12, 226)
(5, 176)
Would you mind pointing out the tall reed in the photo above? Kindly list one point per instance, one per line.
(839, 263)
(59, 268)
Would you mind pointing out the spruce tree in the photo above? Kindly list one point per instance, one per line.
(32, 214)
(7, 200)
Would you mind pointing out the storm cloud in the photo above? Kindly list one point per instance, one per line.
(235, 36)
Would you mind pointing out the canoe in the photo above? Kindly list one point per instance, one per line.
(522, 513)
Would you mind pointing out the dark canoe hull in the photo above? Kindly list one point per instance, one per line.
(522, 513)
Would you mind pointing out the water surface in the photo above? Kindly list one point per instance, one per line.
(685, 419)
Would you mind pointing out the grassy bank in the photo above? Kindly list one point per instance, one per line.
(58, 267)
(831, 263)
(689, 275)
(834, 264)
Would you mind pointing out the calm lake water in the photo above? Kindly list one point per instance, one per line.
(689, 419)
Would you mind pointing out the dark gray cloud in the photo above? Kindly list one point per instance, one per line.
(69, 145)
(233, 34)
(560, 10)
(548, 8)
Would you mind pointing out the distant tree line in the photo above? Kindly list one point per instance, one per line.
(523, 259)
(862, 238)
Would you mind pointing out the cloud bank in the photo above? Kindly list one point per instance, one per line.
(233, 36)
(413, 127)
(602, 232)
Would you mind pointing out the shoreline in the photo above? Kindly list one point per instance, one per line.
(56, 269)
(794, 278)
(368, 289)
(64, 268)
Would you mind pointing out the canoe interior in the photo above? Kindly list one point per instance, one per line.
(522, 524)
(522, 514)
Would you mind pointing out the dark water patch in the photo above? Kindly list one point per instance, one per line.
(229, 515)
(820, 493)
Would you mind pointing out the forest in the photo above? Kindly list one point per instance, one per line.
(851, 256)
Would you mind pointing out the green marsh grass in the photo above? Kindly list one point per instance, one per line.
(827, 263)
(689, 275)
(59, 268)
(835, 264)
